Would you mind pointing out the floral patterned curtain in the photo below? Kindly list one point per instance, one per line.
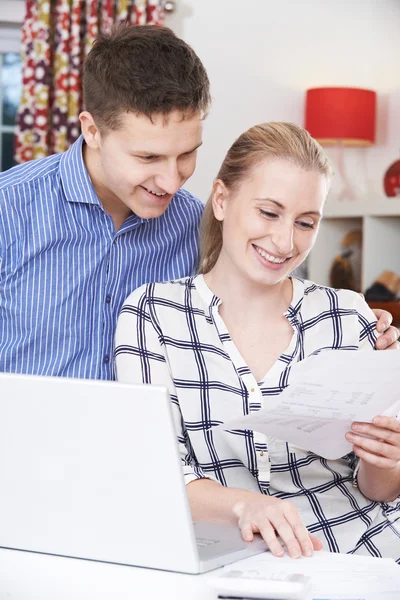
(56, 37)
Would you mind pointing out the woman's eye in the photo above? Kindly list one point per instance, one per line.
(267, 213)
(306, 225)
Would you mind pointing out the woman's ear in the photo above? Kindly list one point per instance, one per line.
(219, 197)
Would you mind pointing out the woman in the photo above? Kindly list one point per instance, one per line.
(224, 341)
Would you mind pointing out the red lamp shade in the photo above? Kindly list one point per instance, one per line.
(345, 115)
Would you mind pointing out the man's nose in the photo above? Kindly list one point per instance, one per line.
(170, 180)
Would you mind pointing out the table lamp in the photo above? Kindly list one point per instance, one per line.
(341, 116)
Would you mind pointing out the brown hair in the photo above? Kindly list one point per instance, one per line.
(147, 70)
(282, 141)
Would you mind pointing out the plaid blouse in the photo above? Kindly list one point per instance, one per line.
(171, 334)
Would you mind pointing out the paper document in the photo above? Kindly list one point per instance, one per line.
(333, 576)
(327, 392)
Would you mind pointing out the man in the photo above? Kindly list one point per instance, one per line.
(79, 231)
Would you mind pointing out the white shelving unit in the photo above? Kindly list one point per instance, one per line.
(379, 221)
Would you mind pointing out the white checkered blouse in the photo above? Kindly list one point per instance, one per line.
(171, 334)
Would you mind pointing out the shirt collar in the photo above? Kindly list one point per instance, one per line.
(297, 299)
(206, 294)
(212, 300)
(77, 185)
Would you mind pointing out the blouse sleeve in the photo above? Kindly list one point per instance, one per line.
(139, 357)
(367, 324)
(367, 336)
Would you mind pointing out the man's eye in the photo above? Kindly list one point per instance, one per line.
(150, 157)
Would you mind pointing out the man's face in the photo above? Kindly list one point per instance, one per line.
(144, 162)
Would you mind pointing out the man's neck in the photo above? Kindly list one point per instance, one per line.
(117, 210)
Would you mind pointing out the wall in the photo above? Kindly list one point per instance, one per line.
(261, 56)
(12, 11)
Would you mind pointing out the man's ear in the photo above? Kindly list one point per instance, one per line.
(90, 131)
(219, 197)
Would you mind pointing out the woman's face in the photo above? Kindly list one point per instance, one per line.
(271, 220)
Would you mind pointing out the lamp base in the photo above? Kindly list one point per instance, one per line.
(347, 192)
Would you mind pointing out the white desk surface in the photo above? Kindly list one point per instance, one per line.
(30, 576)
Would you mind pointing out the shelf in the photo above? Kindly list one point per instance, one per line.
(378, 218)
(380, 207)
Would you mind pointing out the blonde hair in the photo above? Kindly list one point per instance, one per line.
(282, 141)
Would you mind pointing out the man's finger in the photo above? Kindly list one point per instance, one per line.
(384, 318)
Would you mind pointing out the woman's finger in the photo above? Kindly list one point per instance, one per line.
(268, 533)
(381, 427)
(300, 531)
(316, 542)
(377, 447)
(247, 532)
(294, 536)
(376, 460)
(385, 422)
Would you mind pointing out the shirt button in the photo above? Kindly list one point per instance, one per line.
(108, 299)
(262, 453)
(252, 390)
(106, 359)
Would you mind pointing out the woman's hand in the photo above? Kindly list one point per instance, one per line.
(272, 517)
(390, 334)
(383, 450)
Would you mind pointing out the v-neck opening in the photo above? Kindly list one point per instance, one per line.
(238, 361)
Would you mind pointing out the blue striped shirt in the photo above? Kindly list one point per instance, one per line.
(65, 272)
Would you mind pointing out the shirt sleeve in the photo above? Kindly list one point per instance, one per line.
(367, 336)
(1, 233)
(139, 357)
(363, 320)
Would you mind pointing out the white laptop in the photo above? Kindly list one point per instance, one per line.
(91, 469)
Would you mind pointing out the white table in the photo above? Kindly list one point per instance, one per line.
(31, 576)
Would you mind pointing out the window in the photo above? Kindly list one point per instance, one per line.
(10, 90)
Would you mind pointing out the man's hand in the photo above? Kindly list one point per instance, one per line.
(389, 338)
